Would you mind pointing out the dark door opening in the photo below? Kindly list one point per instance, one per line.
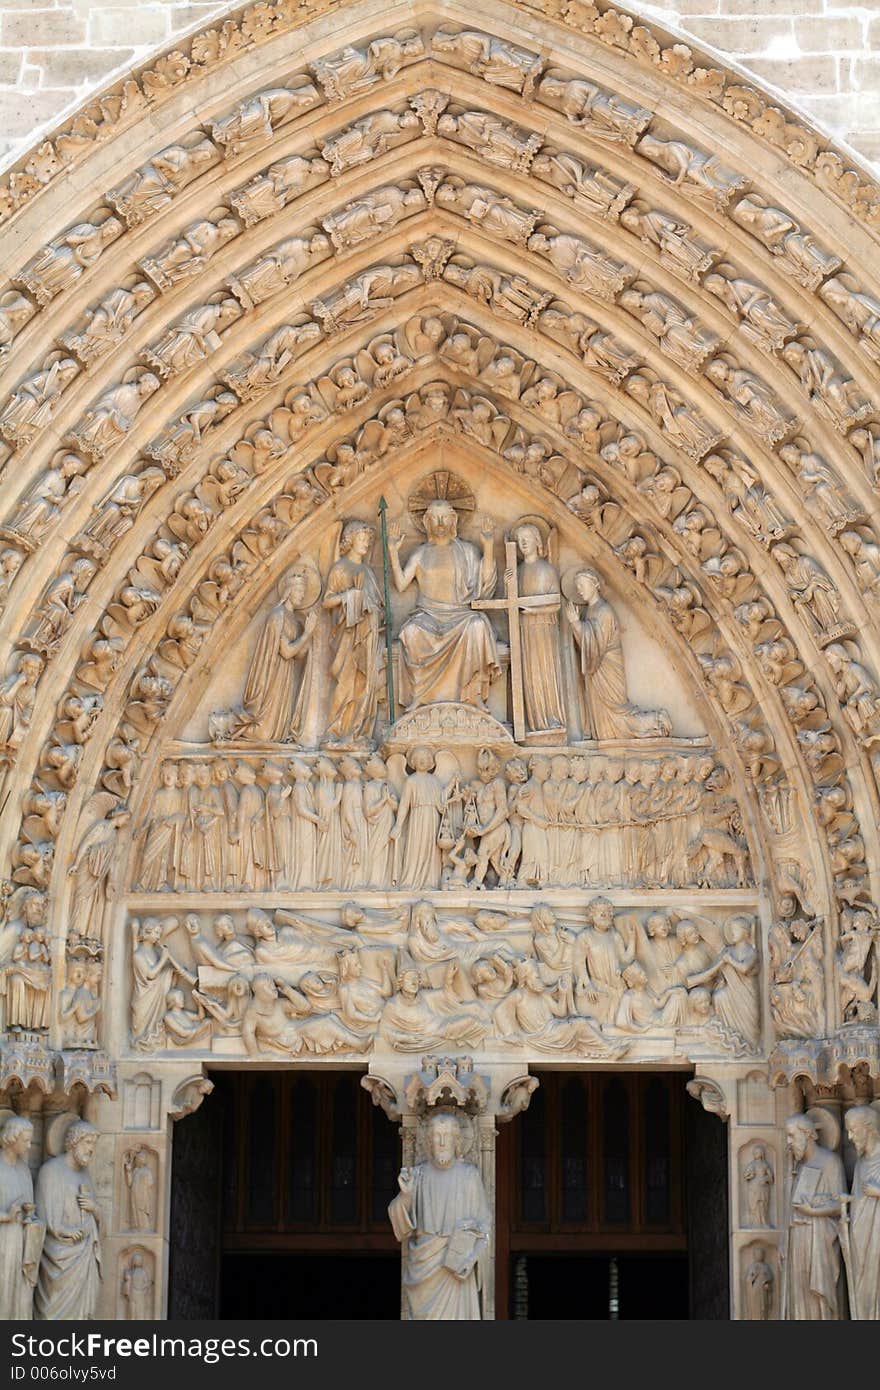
(310, 1286)
(287, 1176)
(596, 1201)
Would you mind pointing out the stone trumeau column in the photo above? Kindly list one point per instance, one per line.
(477, 1101)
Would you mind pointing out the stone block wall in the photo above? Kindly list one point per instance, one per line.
(824, 55)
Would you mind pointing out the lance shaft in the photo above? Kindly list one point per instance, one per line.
(386, 574)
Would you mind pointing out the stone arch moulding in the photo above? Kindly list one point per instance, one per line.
(300, 263)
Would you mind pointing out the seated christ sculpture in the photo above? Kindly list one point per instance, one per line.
(447, 649)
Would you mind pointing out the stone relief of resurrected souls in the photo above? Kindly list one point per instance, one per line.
(587, 981)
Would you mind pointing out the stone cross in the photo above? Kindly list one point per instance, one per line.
(513, 603)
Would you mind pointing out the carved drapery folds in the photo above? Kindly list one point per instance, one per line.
(585, 713)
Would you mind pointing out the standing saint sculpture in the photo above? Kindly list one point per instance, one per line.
(353, 597)
(441, 1217)
(812, 1257)
(447, 649)
(279, 683)
(863, 1128)
(21, 1234)
(538, 579)
(596, 631)
(70, 1267)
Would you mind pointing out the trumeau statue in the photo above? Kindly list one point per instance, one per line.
(442, 1218)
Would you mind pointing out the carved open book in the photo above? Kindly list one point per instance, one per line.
(461, 1252)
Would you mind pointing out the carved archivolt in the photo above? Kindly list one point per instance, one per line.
(432, 238)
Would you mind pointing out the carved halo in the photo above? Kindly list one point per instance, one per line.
(312, 578)
(827, 1126)
(549, 535)
(56, 1131)
(441, 486)
(568, 586)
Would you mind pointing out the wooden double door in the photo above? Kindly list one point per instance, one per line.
(599, 1207)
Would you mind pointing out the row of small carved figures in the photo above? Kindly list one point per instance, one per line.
(299, 985)
(226, 826)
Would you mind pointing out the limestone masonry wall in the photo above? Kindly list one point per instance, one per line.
(823, 55)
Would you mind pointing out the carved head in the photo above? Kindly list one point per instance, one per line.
(203, 775)
(863, 1128)
(408, 984)
(588, 585)
(737, 929)
(292, 588)
(658, 926)
(174, 999)
(686, 934)
(224, 927)
(299, 771)
(33, 909)
(539, 768)
(634, 977)
(168, 774)
(444, 1139)
(350, 769)
(80, 1141)
(31, 667)
(515, 771)
(357, 537)
(420, 759)
(16, 1136)
(76, 973)
(559, 767)
(542, 918)
(440, 520)
(487, 764)
(800, 1135)
(264, 988)
(600, 914)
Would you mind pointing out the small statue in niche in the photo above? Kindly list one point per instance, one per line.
(279, 682)
(141, 1185)
(596, 632)
(354, 600)
(136, 1289)
(758, 1284)
(758, 1179)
